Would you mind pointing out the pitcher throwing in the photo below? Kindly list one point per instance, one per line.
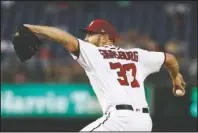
(117, 75)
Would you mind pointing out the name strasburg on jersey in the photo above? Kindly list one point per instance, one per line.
(117, 75)
(109, 54)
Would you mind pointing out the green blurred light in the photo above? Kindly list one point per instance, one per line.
(193, 106)
(194, 94)
(124, 3)
(193, 109)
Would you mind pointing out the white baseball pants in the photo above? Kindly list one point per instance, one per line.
(121, 120)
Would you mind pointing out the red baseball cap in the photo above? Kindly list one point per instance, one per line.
(101, 26)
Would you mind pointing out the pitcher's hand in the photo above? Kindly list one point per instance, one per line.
(179, 86)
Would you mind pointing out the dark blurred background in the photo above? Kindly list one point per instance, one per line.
(51, 92)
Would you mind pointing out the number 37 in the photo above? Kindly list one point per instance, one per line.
(122, 73)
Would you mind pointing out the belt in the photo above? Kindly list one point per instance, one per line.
(129, 107)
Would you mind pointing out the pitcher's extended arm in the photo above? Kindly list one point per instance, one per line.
(67, 40)
(173, 67)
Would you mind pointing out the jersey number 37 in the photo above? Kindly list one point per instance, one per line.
(122, 73)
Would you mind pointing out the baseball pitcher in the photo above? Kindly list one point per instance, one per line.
(117, 75)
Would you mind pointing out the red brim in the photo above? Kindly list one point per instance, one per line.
(86, 30)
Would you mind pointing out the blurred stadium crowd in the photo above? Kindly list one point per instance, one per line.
(158, 26)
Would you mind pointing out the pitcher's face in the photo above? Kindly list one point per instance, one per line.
(93, 38)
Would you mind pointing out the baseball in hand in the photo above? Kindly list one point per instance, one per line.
(179, 92)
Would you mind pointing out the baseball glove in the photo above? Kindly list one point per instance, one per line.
(26, 43)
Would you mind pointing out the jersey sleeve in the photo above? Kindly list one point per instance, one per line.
(86, 54)
(151, 61)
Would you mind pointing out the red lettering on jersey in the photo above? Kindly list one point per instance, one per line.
(122, 55)
(104, 53)
(135, 53)
(122, 73)
(111, 54)
(133, 56)
(129, 55)
(116, 55)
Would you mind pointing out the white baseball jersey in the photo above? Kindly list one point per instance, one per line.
(117, 75)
